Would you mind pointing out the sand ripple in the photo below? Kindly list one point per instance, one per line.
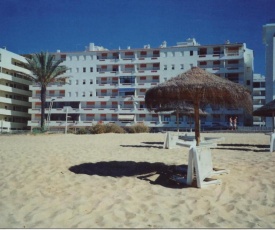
(122, 181)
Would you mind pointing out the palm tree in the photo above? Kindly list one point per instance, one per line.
(45, 70)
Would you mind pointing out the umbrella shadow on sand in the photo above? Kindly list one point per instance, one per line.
(154, 173)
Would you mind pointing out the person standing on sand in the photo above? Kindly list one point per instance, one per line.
(231, 123)
(235, 123)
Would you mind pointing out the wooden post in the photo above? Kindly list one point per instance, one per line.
(197, 122)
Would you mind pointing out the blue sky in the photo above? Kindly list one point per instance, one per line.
(29, 26)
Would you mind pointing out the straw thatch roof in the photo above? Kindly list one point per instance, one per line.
(268, 110)
(199, 85)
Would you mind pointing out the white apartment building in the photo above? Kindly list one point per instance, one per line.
(258, 97)
(108, 86)
(269, 42)
(14, 92)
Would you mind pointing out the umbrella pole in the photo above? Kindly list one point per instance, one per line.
(190, 122)
(197, 123)
(178, 120)
(273, 122)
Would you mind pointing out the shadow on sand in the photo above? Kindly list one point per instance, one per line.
(154, 173)
(244, 147)
(157, 145)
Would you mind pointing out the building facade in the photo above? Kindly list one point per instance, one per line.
(14, 92)
(269, 42)
(258, 97)
(109, 86)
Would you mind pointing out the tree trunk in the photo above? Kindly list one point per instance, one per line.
(43, 101)
(197, 122)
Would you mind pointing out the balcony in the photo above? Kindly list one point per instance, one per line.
(15, 78)
(14, 90)
(55, 86)
(15, 101)
(13, 113)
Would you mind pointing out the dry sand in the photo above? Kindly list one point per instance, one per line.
(122, 181)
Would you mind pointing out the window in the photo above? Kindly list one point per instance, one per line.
(173, 54)
(84, 70)
(182, 53)
(91, 69)
(84, 82)
(83, 94)
(91, 81)
(76, 94)
(203, 63)
(156, 53)
(156, 66)
(142, 65)
(166, 118)
(248, 82)
(216, 50)
(173, 67)
(165, 67)
(129, 53)
(143, 53)
(76, 82)
(191, 52)
(77, 70)
(115, 68)
(91, 94)
(115, 55)
(202, 51)
(63, 57)
(69, 94)
(155, 77)
(127, 79)
(70, 82)
(182, 66)
(233, 61)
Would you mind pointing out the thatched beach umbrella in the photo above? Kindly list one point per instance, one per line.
(268, 110)
(198, 86)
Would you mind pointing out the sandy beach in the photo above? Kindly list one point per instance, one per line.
(122, 181)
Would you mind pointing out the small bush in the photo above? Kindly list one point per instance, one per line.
(138, 128)
(113, 128)
(38, 130)
(82, 131)
(71, 131)
(97, 129)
